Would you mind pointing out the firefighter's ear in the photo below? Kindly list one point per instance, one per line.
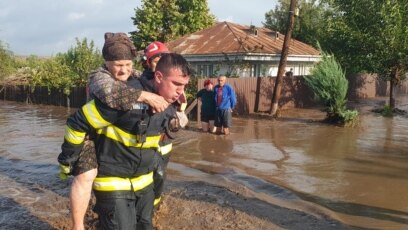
(158, 76)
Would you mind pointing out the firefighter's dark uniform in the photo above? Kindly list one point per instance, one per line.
(166, 145)
(127, 144)
(115, 94)
(160, 172)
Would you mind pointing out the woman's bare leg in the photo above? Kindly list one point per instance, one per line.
(204, 126)
(80, 195)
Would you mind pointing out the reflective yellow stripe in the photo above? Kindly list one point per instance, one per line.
(165, 149)
(65, 168)
(156, 201)
(128, 139)
(142, 181)
(107, 184)
(73, 136)
(93, 116)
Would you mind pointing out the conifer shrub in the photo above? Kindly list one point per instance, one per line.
(329, 85)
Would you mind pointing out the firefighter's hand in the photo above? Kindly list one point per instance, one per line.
(178, 121)
(183, 119)
(182, 101)
(65, 171)
(156, 102)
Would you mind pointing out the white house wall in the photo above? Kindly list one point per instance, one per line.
(298, 68)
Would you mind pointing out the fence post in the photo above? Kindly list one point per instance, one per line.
(68, 101)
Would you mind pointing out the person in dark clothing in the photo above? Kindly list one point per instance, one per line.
(289, 73)
(123, 186)
(108, 84)
(151, 57)
(207, 114)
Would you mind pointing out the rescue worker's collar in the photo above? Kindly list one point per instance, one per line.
(147, 82)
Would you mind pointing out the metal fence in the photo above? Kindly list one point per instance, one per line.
(254, 94)
(43, 95)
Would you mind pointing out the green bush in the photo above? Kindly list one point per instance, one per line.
(329, 85)
(65, 70)
(53, 74)
(81, 60)
(387, 111)
(7, 61)
(191, 88)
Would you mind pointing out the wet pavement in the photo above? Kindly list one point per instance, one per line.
(358, 176)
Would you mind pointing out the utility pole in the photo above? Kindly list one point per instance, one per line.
(284, 56)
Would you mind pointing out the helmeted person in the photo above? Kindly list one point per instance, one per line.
(108, 84)
(126, 145)
(151, 57)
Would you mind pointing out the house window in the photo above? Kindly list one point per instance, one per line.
(255, 70)
(205, 70)
(201, 71)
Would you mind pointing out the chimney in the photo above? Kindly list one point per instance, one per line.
(276, 35)
(253, 30)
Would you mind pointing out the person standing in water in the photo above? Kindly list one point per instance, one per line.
(207, 115)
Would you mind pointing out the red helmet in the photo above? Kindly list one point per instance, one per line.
(154, 49)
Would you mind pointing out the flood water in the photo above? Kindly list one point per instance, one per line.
(358, 176)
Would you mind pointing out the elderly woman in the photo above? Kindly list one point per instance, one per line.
(207, 107)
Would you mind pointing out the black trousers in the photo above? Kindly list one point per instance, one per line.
(159, 175)
(125, 212)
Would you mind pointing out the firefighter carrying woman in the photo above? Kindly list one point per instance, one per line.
(129, 138)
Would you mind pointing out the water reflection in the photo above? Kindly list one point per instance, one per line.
(358, 173)
(214, 148)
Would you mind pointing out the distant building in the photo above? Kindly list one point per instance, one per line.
(245, 51)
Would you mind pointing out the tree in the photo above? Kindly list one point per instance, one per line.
(166, 20)
(196, 16)
(7, 63)
(371, 36)
(309, 25)
(65, 70)
(81, 60)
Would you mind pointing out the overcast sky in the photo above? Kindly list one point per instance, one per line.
(46, 27)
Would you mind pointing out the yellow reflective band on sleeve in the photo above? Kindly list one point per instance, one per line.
(65, 168)
(93, 116)
(128, 139)
(165, 149)
(73, 136)
(106, 184)
(156, 201)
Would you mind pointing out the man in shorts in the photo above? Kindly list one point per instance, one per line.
(225, 100)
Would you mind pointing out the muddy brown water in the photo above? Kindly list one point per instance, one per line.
(358, 176)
